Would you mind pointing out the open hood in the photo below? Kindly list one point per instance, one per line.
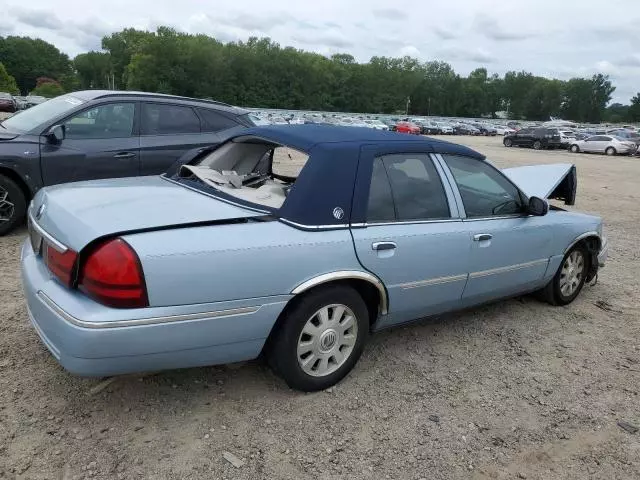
(78, 213)
(557, 181)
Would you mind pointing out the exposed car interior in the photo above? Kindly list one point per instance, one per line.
(249, 169)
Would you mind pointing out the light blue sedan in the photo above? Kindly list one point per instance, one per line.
(296, 241)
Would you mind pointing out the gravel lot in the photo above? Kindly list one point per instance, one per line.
(512, 390)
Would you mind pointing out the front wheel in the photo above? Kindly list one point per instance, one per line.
(13, 205)
(569, 279)
(320, 338)
(575, 148)
(537, 145)
(610, 151)
(508, 142)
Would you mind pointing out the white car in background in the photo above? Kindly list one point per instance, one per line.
(375, 124)
(603, 144)
(567, 137)
(504, 130)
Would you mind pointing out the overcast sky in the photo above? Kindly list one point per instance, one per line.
(546, 37)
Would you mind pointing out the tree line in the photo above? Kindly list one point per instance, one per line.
(260, 73)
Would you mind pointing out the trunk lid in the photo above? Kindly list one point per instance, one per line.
(556, 181)
(77, 213)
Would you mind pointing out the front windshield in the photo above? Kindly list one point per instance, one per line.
(29, 119)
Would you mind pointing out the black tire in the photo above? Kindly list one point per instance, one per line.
(552, 293)
(610, 151)
(537, 145)
(508, 142)
(13, 205)
(575, 148)
(281, 352)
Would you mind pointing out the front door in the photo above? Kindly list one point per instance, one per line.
(510, 249)
(100, 142)
(413, 239)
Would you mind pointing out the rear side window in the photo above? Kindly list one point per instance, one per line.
(212, 121)
(410, 184)
(380, 207)
(164, 119)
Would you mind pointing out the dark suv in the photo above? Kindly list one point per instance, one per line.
(102, 134)
(538, 138)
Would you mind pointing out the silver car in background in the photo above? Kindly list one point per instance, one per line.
(607, 144)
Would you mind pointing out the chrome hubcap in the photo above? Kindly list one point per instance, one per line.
(327, 340)
(571, 273)
(6, 206)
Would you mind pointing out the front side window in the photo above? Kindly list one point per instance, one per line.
(165, 119)
(484, 190)
(411, 185)
(113, 120)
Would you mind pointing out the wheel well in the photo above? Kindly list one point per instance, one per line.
(366, 290)
(592, 243)
(18, 180)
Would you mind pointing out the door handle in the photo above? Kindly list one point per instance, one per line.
(383, 246)
(481, 237)
(124, 155)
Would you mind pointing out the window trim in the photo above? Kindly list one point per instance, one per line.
(454, 210)
(135, 130)
(193, 109)
(463, 212)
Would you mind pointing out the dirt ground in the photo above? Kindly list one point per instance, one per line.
(518, 389)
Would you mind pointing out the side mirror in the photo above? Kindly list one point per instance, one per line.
(56, 133)
(538, 207)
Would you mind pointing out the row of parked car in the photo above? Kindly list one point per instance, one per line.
(411, 125)
(14, 103)
(619, 141)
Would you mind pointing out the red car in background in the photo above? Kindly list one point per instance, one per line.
(408, 127)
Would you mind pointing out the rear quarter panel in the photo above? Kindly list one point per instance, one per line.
(232, 262)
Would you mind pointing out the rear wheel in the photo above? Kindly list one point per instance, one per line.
(575, 148)
(320, 339)
(13, 205)
(610, 151)
(537, 145)
(508, 142)
(570, 277)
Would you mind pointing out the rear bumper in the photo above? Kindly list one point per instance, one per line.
(92, 340)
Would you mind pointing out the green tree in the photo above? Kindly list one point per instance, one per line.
(93, 70)
(616, 113)
(28, 58)
(47, 87)
(634, 109)
(7, 82)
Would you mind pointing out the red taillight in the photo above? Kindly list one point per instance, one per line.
(112, 275)
(62, 265)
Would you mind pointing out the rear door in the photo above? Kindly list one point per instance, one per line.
(169, 130)
(597, 143)
(413, 238)
(100, 142)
